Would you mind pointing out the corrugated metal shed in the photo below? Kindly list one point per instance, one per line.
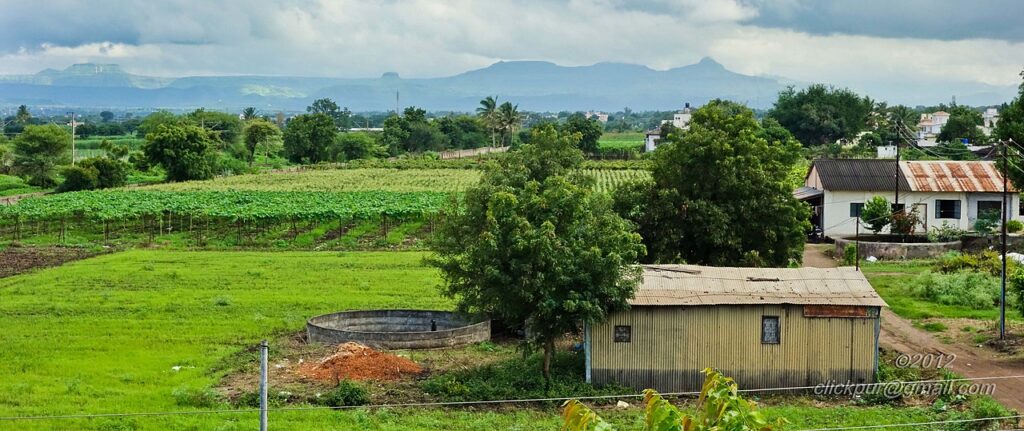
(804, 193)
(858, 174)
(953, 176)
(701, 285)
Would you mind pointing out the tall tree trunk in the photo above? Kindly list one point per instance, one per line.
(549, 352)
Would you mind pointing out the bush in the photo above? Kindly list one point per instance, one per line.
(1014, 226)
(849, 254)
(987, 222)
(109, 172)
(77, 178)
(987, 262)
(191, 397)
(347, 393)
(945, 233)
(970, 289)
(876, 214)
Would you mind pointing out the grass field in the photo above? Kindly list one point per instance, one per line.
(621, 141)
(338, 180)
(103, 335)
(11, 185)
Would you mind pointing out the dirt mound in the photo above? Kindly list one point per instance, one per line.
(355, 361)
(16, 260)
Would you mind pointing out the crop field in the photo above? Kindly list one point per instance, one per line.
(621, 141)
(338, 180)
(154, 331)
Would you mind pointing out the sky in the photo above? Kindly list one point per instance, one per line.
(874, 44)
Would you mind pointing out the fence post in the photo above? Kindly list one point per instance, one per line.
(263, 385)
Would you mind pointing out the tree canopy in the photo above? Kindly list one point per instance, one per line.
(590, 131)
(1011, 127)
(963, 124)
(186, 152)
(720, 193)
(342, 117)
(258, 132)
(819, 115)
(533, 243)
(308, 138)
(38, 150)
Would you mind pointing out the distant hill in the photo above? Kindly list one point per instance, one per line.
(534, 85)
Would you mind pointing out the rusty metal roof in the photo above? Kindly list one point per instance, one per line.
(703, 285)
(953, 176)
(858, 174)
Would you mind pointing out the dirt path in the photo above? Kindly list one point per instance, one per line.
(11, 200)
(900, 335)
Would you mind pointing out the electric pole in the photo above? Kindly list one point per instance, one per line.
(72, 137)
(896, 202)
(1002, 292)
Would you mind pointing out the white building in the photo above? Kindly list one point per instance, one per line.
(680, 119)
(990, 118)
(601, 116)
(931, 124)
(949, 192)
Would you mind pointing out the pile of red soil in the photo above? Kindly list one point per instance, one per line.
(355, 361)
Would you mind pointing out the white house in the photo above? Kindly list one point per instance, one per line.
(931, 124)
(950, 192)
(680, 119)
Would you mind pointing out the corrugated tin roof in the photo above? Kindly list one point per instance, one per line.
(703, 285)
(804, 193)
(859, 174)
(953, 176)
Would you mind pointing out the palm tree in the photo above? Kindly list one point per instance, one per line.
(508, 120)
(249, 113)
(488, 113)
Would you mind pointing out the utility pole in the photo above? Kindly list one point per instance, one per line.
(263, 385)
(896, 203)
(857, 241)
(72, 113)
(1005, 210)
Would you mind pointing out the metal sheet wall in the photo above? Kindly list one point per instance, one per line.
(670, 346)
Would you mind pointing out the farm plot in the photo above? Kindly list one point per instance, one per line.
(338, 180)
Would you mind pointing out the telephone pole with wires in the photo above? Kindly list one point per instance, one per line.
(72, 114)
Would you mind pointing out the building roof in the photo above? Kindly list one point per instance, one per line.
(804, 193)
(667, 285)
(858, 174)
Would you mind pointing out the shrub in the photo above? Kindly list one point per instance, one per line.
(945, 233)
(191, 397)
(987, 222)
(109, 172)
(905, 222)
(987, 262)
(77, 178)
(849, 254)
(347, 393)
(971, 289)
(1014, 226)
(877, 214)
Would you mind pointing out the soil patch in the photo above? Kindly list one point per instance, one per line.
(16, 260)
(355, 361)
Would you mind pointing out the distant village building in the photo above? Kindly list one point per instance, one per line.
(949, 192)
(931, 124)
(990, 118)
(681, 119)
(764, 327)
(600, 116)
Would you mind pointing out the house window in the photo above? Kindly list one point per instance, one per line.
(898, 208)
(623, 333)
(947, 209)
(986, 207)
(856, 208)
(769, 329)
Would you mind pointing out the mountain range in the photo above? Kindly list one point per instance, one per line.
(534, 85)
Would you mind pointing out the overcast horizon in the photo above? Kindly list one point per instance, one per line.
(871, 45)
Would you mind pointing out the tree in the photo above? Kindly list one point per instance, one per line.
(23, 116)
(963, 124)
(341, 117)
(463, 131)
(876, 214)
(224, 127)
(488, 113)
(590, 131)
(719, 408)
(509, 120)
(533, 243)
(1011, 127)
(720, 194)
(412, 133)
(356, 145)
(821, 115)
(308, 138)
(250, 113)
(109, 172)
(153, 121)
(257, 132)
(106, 116)
(186, 152)
(38, 150)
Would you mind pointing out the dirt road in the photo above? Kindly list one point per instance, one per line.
(900, 335)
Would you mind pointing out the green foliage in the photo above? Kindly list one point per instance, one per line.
(720, 194)
(356, 145)
(589, 130)
(77, 178)
(109, 172)
(224, 128)
(850, 254)
(463, 131)
(533, 242)
(719, 408)
(1014, 226)
(193, 397)
(342, 118)
(186, 152)
(515, 378)
(256, 133)
(971, 289)
(987, 222)
(876, 214)
(945, 233)
(38, 150)
(347, 393)
(1015, 287)
(963, 124)
(1011, 126)
(905, 222)
(308, 138)
(821, 115)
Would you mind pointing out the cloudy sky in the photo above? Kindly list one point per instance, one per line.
(872, 44)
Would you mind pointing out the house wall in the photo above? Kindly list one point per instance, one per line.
(671, 345)
(836, 206)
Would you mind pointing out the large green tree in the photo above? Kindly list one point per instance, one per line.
(720, 193)
(38, 150)
(963, 124)
(356, 145)
(488, 113)
(533, 243)
(308, 138)
(185, 151)
(258, 132)
(590, 131)
(1011, 128)
(412, 133)
(819, 115)
(342, 117)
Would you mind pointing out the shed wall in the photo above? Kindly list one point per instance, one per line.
(670, 346)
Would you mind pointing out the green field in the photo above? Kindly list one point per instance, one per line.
(103, 335)
(338, 180)
(621, 141)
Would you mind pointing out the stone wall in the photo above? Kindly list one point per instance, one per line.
(397, 329)
(899, 250)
